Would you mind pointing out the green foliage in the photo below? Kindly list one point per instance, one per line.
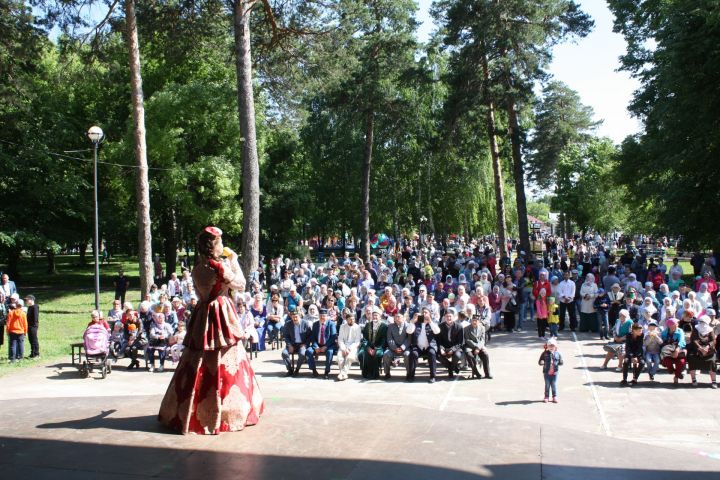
(672, 169)
(539, 210)
(586, 189)
(561, 120)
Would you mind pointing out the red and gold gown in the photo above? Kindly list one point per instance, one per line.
(214, 388)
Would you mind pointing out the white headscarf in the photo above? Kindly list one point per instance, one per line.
(703, 326)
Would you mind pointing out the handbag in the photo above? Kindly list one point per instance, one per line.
(667, 350)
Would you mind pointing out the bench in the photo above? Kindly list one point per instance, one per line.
(77, 350)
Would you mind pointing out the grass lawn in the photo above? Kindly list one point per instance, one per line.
(65, 301)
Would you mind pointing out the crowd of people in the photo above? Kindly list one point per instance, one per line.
(443, 303)
(20, 319)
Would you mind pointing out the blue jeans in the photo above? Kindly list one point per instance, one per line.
(652, 360)
(16, 346)
(310, 356)
(604, 324)
(150, 353)
(531, 308)
(272, 330)
(550, 383)
(554, 329)
(522, 310)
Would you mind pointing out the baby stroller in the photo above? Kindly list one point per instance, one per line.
(97, 345)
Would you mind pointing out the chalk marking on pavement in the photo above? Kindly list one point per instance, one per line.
(445, 401)
(593, 389)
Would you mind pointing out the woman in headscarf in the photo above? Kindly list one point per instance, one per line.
(704, 297)
(495, 303)
(701, 351)
(666, 312)
(509, 305)
(673, 350)
(588, 315)
(313, 314)
(663, 293)
(647, 306)
(694, 302)
(617, 346)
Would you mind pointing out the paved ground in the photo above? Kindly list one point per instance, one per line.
(53, 423)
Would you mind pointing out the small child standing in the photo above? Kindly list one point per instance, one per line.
(652, 343)
(553, 317)
(550, 359)
(541, 312)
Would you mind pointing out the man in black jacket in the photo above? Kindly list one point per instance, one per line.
(451, 341)
(33, 320)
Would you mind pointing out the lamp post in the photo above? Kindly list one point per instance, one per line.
(95, 134)
(423, 219)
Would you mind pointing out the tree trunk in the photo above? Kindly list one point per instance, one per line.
(51, 262)
(519, 174)
(367, 165)
(497, 168)
(82, 248)
(250, 244)
(142, 187)
(431, 222)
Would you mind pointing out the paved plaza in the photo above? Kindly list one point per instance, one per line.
(53, 424)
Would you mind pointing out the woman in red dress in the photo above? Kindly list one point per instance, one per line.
(214, 388)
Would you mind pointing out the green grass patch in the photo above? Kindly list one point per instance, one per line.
(66, 299)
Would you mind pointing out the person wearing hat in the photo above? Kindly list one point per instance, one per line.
(398, 343)
(17, 329)
(423, 333)
(372, 346)
(476, 352)
(33, 320)
(322, 342)
(701, 351)
(451, 342)
(652, 344)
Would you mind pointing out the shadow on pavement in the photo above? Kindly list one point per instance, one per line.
(145, 423)
(48, 459)
(518, 402)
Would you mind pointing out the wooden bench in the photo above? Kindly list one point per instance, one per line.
(77, 350)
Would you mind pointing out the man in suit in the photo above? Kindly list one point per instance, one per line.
(451, 341)
(373, 345)
(322, 340)
(33, 319)
(423, 343)
(296, 333)
(475, 350)
(7, 287)
(398, 344)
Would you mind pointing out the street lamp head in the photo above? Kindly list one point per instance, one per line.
(95, 134)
